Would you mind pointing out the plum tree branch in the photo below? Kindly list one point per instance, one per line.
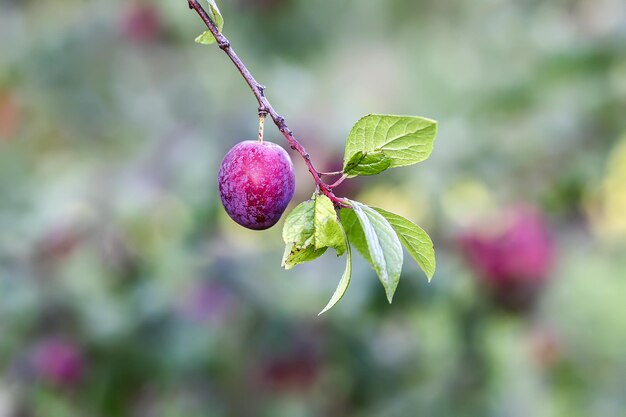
(264, 105)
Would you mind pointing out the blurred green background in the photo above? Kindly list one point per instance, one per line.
(125, 290)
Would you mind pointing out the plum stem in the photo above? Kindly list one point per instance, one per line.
(339, 181)
(264, 105)
(331, 174)
(261, 125)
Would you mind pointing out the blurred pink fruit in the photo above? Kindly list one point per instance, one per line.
(59, 362)
(140, 22)
(512, 256)
(294, 370)
(59, 242)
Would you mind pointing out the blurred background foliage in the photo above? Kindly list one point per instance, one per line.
(126, 291)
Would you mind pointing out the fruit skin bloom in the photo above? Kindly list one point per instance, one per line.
(514, 260)
(256, 182)
(59, 362)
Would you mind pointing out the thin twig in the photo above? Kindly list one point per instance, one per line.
(339, 181)
(264, 105)
(331, 174)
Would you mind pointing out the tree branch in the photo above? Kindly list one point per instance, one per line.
(264, 105)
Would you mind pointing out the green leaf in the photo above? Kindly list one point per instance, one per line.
(294, 256)
(207, 38)
(299, 226)
(345, 278)
(328, 231)
(367, 164)
(415, 240)
(314, 223)
(405, 140)
(351, 224)
(216, 16)
(309, 230)
(376, 240)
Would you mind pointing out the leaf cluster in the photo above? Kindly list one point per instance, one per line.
(375, 144)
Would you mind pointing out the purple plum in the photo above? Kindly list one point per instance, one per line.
(256, 181)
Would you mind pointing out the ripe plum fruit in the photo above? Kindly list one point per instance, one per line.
(256, 181)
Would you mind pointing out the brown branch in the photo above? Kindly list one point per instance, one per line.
(264, 105)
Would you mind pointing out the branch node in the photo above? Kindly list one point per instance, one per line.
(223, 44)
